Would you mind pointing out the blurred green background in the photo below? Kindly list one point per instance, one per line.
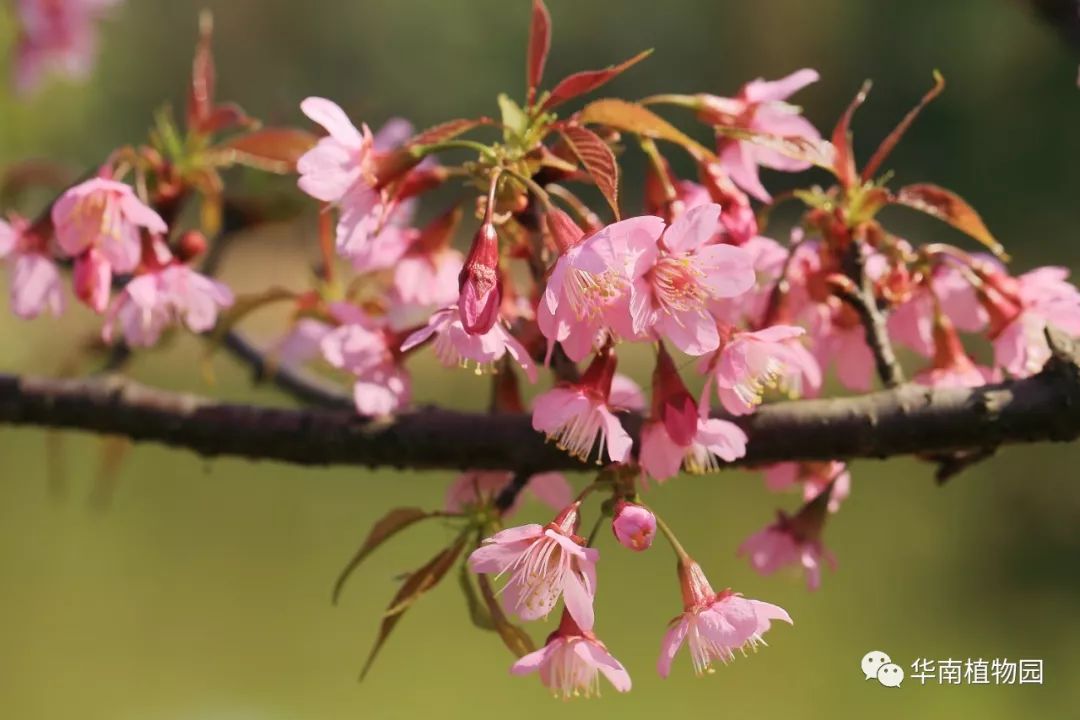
(180, 589)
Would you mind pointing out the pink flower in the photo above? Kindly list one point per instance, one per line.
(738, 222)
(678, 435)
(951, 366)
(714, 625)
(342, 169)
(576, 415)
(676, 277)
(912, 323)
(1021, 308)
(634, 525)
(760, 107)
(793, 541)
(365, 347)
(480, 282)
(771, 358)
(839, 337)
(571, 662)
(35, 279)
(55, 35)
(106, 215)
(426, 276)
(302, 342)
(626, 394)
(456, 348)
(543, 563)
(155, 300)
(814, 477)
(92, 280)
(589, 285)
(769, 258)
(482, 487)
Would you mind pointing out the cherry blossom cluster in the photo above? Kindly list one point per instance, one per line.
(548, 292)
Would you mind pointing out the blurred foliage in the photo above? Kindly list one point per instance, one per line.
(202, 589)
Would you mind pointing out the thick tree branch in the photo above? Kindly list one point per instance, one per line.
(906, 420)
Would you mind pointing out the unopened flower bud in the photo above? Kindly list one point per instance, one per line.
(634, 525)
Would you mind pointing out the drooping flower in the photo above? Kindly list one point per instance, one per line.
(588, 288)
(813, 477)
(480, 283)
(577, 415)
(951, 366)
(482, 487)
(164, 296)
(912, 323)
(714, 625)
(680, 435)
(92, 280)
(675, 277)
(543, 563)
(751, 362)
(571, 662)
(838, 338)
(760, 107)
(634, 525)
(104, 214)
(35, 280)
(426, 276)
(793, 541)
(55, 35)
(455, 347)
(365, 346)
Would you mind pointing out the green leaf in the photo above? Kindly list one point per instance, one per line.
(949, 207)
(389, 525)
(515, 121)
(478, 611)
(631, 117)
(515, 639)
(592, 152)
(415, 585)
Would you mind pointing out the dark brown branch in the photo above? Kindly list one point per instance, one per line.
(903, 421)
(861, 298)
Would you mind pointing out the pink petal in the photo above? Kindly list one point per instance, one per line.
(673, 640)
(333, 119)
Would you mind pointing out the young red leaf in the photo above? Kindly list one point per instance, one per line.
(274, 150)
(203, 76)
(446, 131)
(391, 524)
(539, 44)
(418, 583)
(597, 158)
(631, 117)
(226, 117)
(844, 164)
(889, 143)
(583, 82)
(949, 207)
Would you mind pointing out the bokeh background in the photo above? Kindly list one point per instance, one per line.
(171, 588)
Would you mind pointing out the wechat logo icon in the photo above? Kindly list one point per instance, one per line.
(877, 665)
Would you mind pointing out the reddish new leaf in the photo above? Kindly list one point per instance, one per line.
(391, 524)
(226, 117)
(539, 45)
(889, 143)
(844, 165)
(418, 583)
(949, 207)
(446, 131)
(597, 158)
(587, 81)
(203, 76)
(631, 117)
(271, 149)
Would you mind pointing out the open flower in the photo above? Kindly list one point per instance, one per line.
(760, 107)
(676, 277)
(589, 286)
(482, 487)
(55, 35)
(456, 348)
(951, 366)
(364, 346)
(714, 625)
(543, 563)
(571, 662)
(576, 415)
(793, 541)
(751, 362)
(35, 280)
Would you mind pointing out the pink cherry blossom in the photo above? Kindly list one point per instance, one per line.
(364, 346)
(771, 358)
(838, 338)
(480, 283)
(35, 280)
(951, 366)
(571, 662)
(92, 280)
(456, 348)
(760, 107)
(482, 487)
(813, 477)
(676, 277)
(712, 624)
(301, 344)
(625, 394)
(576, 415)
(543, 563)
(425, 278)
(153, 301)
(634, 525)
(589, 286)
(769, 258)
(55, 35)
(782, 545)
(911, 324)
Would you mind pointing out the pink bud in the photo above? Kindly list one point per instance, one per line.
(481, 283)
(634, 525)
(92, 279)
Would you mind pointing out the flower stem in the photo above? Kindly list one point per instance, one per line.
(669, 534)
